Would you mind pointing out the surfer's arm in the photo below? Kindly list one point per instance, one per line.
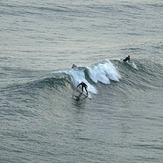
(78, 85)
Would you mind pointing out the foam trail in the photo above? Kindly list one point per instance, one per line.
(134, 66)
(130, 63)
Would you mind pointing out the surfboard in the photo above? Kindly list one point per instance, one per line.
(79, 94)
(130, 63)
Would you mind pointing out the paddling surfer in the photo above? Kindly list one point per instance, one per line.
(127, 59)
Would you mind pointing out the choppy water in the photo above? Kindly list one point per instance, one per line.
(40, 121)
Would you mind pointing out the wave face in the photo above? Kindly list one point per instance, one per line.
(143, 75)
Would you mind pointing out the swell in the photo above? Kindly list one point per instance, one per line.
(108, 79)
(139, 74)
(146, 75)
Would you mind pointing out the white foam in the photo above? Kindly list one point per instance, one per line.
(134, 66)
(77, 76)
(97, 75)
(103, 72)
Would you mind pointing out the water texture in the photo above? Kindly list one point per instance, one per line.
(123, 119)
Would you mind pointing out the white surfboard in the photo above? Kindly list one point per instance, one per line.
(130, 63)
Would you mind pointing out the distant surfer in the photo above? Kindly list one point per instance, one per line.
(84, 86)
(127, 59)
(74, 66)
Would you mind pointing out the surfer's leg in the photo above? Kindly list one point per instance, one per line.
(82, 88)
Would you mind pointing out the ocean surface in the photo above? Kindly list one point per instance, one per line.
(40, 40)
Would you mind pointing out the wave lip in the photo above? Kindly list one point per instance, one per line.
(103, 72)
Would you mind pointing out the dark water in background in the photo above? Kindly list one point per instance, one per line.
(40, 40)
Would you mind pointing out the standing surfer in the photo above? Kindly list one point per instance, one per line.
(84, 86)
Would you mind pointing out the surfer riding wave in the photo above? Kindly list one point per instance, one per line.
(84, 86)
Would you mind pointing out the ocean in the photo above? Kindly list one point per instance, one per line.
(122, 122)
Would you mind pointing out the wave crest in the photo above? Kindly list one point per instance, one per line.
(101, 72)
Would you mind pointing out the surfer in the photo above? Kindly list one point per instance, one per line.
(127, 58)
(73, 66)
(84, 86)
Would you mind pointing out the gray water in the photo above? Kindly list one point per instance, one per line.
(40, 121)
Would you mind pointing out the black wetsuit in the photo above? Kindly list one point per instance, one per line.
(127, 59)
(83, 86)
